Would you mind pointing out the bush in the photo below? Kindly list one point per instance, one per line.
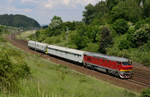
(141, 36)
(92, 47)
(124, 44)
(120, 26)
(145, 93)
(12, 68)
(139, 24)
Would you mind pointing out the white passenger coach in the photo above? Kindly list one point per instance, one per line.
(67, 53)
(63, 52)
(37, 46)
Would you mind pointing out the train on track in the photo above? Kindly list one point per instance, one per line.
(121, 67)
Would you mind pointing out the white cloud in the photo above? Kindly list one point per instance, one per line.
(30, 1)
(27, 10)
(66, 2)
(44, 10)
(53, 3)
(10, 1)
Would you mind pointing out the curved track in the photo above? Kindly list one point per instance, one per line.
(139, 81)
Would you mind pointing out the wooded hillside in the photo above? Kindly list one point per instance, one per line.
(18, 21)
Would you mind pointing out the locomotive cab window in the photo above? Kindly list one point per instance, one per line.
(126, 63)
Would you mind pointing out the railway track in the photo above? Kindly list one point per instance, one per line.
(139, 81)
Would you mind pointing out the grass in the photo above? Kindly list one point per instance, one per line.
(25, 34)
(55, 80)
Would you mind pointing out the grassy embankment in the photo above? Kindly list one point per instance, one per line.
(55, 80)
(24, 35)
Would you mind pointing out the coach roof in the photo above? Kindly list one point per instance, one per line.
(74, 51)
(112, 58)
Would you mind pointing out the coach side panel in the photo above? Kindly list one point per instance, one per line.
(66, 55)
(31, 44)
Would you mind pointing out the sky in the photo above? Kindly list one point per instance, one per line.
(44, 10)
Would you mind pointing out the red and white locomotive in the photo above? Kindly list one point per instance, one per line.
(121, 67)
(118, 66)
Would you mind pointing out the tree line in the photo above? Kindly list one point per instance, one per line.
(113, 27)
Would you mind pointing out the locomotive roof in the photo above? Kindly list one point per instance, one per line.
(66, 49)
(112, 58)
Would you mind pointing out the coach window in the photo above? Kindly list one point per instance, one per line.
(78, 55)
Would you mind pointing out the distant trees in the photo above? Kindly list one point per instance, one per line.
(18, 21)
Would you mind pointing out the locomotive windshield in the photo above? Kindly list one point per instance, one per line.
(126, 63)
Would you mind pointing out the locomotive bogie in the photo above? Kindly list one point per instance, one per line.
(125, 74)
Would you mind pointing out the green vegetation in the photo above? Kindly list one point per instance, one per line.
(50, 80)
(113, 27)
(24, 35)
(12, 68)
(145, 93)
(18, 21)
(3, 30)
(28, 75)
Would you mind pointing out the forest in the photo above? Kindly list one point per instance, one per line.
(18, 21)
(112, 27)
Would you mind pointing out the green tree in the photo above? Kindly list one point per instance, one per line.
(84, 35)
(88, 14)
(124, 44)
(95, 13)
(141, 36)
(128, 11)
(146, 8)
(112, 3)
(55, 22)
(120, 26)
(106, 40)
